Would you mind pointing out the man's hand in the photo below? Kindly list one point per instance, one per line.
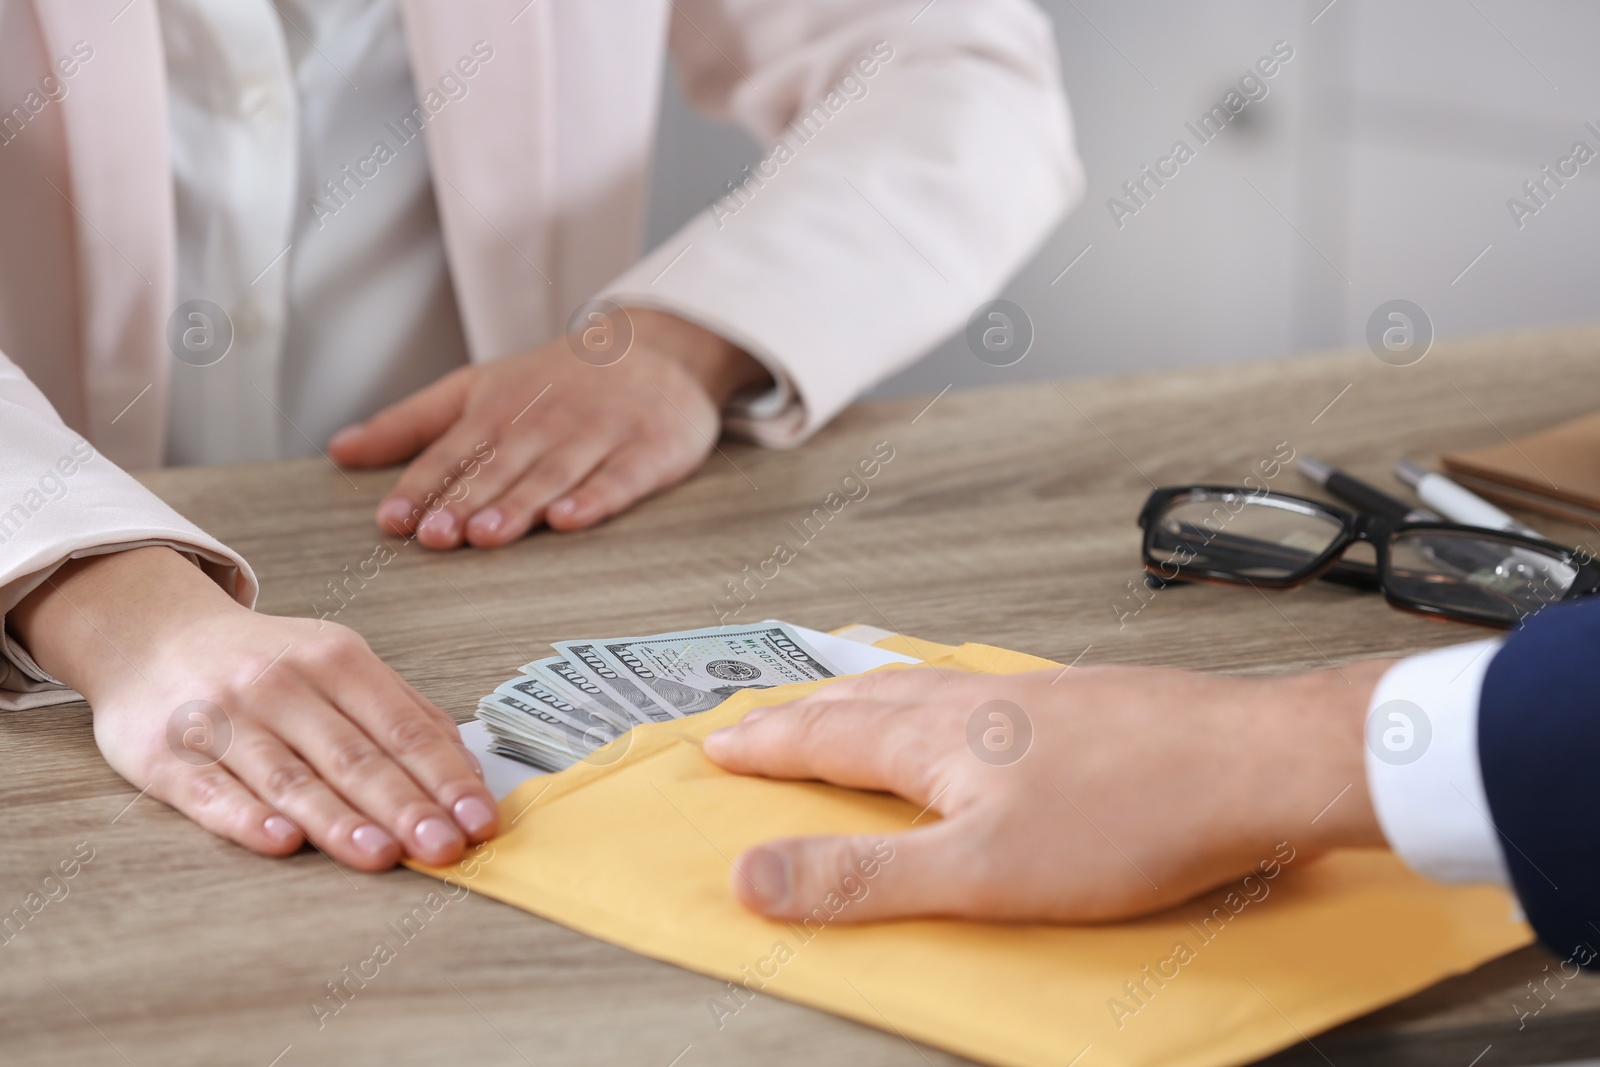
(1138, 789)
(572, 442)
(266, 731)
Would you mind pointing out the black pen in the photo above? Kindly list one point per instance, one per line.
(1359, 494)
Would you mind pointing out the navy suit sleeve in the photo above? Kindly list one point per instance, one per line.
(1539, 747)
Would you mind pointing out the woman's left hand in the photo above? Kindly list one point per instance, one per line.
(548, 437)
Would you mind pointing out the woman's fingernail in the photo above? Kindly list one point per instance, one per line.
(279, 827)
(395, 513)
(754, 715)
(372, 840)
(344, 436)
(567, 505)
(436, 835)
(473, 815)
(486, 521)
(767, 872)
(441, 525)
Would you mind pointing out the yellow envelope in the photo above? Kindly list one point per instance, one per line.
(634, 847)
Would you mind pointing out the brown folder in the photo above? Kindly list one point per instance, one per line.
(1554, 471)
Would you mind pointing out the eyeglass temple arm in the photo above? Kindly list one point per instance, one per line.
(1349, 573)
(1362, 576)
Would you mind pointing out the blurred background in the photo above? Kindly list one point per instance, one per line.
(1378, 167)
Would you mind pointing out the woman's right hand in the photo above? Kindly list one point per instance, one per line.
(267, 731)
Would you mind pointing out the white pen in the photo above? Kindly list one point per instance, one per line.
(1457, 503)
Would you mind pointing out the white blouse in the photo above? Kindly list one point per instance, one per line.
(328, 267)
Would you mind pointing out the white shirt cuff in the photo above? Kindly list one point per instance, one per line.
(1422, 765)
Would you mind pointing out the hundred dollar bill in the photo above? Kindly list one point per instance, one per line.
(691, 671)
(507, 722)
(542, 744)
(586, 656)
(550, 701)
(507, 717)
(532, 753)
(566, 680)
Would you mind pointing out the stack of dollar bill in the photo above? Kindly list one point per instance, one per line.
(563, 707)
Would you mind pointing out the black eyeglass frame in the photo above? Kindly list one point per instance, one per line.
(1375, 530)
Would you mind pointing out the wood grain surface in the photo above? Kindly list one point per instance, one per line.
(1006, 516)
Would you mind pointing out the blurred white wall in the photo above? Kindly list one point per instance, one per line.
(1378, 167)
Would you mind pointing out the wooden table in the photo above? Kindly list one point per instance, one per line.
(1006, 515)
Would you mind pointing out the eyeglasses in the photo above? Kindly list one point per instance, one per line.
(1441, 569)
